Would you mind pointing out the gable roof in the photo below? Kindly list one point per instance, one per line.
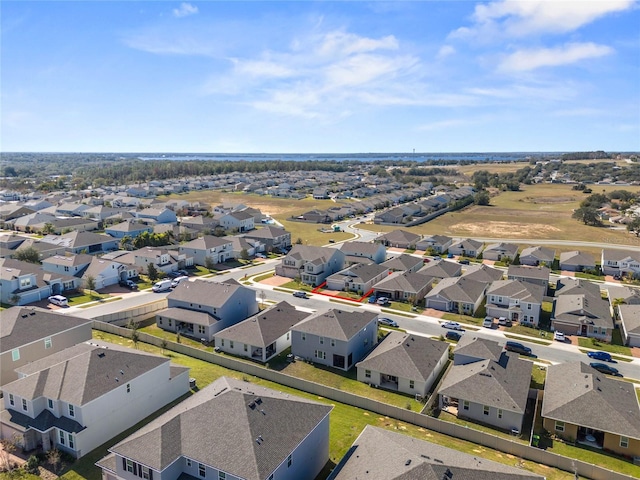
(202, 292)
(77, 239)
(308, 253)
(206, 242)
(70, 260)
(23, 325)
(405, 355)
(539, 273)
(576, 393)
(266, 327)
(509, 248)
(501, 384)
(483, 273)
(267, 232)
(616, 255)
(459, 289)
(399, 236)
(362, 248)
(255, 428)
(477, 347)
(402, 262)
(335, 323)
(516, 289)
(379, 454)
(441, 269)
(360, 273)
(630, 316)
(577, 257)
(404, 282)
(542, 254)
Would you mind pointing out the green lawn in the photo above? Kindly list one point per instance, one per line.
(456, 317)
(158, 332)
(538, 377)
(264, 276)
(448, 417)
(532, 340)
(607, 347)
(76, 299)
(296, 285)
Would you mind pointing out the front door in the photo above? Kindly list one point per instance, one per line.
(583, 330)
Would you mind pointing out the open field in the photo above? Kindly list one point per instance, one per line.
(537, 212)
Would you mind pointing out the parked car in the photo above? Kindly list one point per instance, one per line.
(600, 355)
(372, 299)
(331, 240)
(517, 348)
(59, 300)
(176, 281)
(487, 322)
(606, 369)
(300, 294)
(464, 261)
(504, 321)
(559, 336)
(425, 260)
(130, 284)
(451, 335)
(387, 321)
(162, 286)
(452, 325)
(260, 255)
(382, 301)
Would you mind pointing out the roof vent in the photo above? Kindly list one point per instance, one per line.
(101, 354)
(32, 313)
(258, 400)
(252, 405)
(117, 379)
(262, 411)
(121, 372)
(408, 462)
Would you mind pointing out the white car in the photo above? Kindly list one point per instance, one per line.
(452, 325)
(59, 300)
(176, 281)
(559, 336)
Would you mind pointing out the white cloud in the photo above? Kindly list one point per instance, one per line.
(343, 43)
(445, 51)
(518, 18)
(185, 10)
(444, 124)
(531, 59)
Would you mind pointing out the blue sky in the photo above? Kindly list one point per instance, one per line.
(323, 77)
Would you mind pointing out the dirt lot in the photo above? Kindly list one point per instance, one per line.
(504, 229)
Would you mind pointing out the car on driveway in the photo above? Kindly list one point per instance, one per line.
(504, 321)
(451, 335)
(517, 348)
(300, 294)
(130, 284)
(600, 355)
(487, 322)
(387, 322)
(604, 368)
(559, 336)
(452, 325)
(382, 301)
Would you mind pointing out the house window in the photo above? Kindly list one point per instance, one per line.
(287, 335)
(47, 343)
(485, 410)
(333, 342)
(24, 405)
(71, 444)
(559, 426)
(145, 472)
(160, 321)
(624, 442)
(201, 329)
(412, 384)
(188, 462)
(304, 336)
(321, 340)
(222, 342)
(499, 413)
(72, 412)
(15, 354)
(11, 399)
(230, 343)
(201, 470)
(246, 348)
(528, 306)
(170, 322)
(128, 388)
(367, 374)
(25, 282)
(465, 404)
(50, 403)
(320, 354)
(222, 476)
(289, 461)
(61, 441)
(271, 477)
(66, 269)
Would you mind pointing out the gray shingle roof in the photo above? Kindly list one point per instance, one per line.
(630, 315)
(266, 327)
(539, 273)
(267, 232)
(459, 289)
(509, 248)
(204, 293)
(335, 323)
(206, 242)
(441, 269)
(360, 273)
(404, 282)
(43, 422)
(402, 262)
(577, 258)
(23, 325)
(362, 248)
(483, 273)
(480, 348)
(399, 236)
(405, 355)
(543, 254)
(576, 393)
(503, 384)
(236, 414)
(189, 316)
(617, 255)
(516, 289)
(379, 454)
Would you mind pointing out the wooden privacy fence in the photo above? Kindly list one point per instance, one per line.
(488, 440)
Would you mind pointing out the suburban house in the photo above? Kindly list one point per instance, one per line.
(623, 294)
(67, 264)
(483, 273)
(128, 229)
(156, 215)
(535, 256)
(536, 275)
(577, 261)
(28, 334)
(259, 434)
(579, 309)
(239, 221)
(381, 454)
(312, 265)
(357, 278)
(274, 238)
(492, 392)
(438, 243)
(466, 247)
(24, 282)
(515, 300)
(262, 336)
(82, 242)
(216, 249)
(404, 363)
(620, 262)
(335, 338)
(500, 252)
(472, 349)
(163, 259)
(629, 316)
(404, 263)
(107, 272)
(583, 405)
(375, 252)
(399, 239)
(441, 269)
(81, 397)
(404, 286)
(458, 295)
(200, 309)
(247, 245)
(44, 249)
(200, 223)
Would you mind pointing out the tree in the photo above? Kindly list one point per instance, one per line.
(163, 345)
(8, 447)
(90, 284)
(587, 215)
(135, 334)
(482, 198)
(48, 229)
(244, 254)
(54, 458)
(634, 226)
(209, 264)
(299, 241)
(28, 254)
(14, 299)
(152, 272)
(263, 297)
